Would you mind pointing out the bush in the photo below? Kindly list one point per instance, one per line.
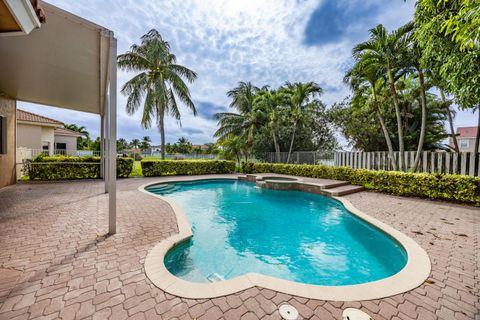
(68, 168)
(124, 167)
(434, 186)
(153, 168)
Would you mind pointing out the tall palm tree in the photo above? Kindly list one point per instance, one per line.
(363, 77)
(270, 101)
(386, 51)
(159, 82)
(134, 143)
(301, 94)
(145, 143)
(246, 120)
(413, 60)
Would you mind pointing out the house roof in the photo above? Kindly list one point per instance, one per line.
(66, 132)
(467, 132)
(32, 117)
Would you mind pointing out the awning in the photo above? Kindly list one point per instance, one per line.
(64, 63)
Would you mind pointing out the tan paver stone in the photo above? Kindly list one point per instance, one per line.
(61, 265)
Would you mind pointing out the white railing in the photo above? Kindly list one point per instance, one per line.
(465, 163)
(26, 153)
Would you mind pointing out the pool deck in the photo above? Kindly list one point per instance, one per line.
(56, 262)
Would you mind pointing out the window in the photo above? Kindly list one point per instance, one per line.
(3, 135)
(464, 143)
(61, 148)
(46, 147)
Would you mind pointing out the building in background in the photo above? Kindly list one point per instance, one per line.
(466, 138)
(44, 134)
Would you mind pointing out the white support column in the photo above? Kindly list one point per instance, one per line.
(105, 139)
(112, 137)
(102, 147)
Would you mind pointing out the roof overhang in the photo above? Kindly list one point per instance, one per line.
(19, 17)
(62, 64)
(40, 124)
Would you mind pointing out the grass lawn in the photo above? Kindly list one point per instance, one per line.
(137, 170)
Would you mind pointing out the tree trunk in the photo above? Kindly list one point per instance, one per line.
(277, 147)
(162, 135)
(291, 141)
(388, 140)
(423, 128)
(450, 122)
(384, 129)
(401, 145)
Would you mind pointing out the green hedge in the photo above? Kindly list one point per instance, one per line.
(69, 168)
(435, 186)
(153, 168)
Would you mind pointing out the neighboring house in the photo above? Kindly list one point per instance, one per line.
(202, 147)
(43, 134)
(466, 138)
(153, 150)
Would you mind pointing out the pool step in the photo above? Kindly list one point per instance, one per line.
(163, 188)
(343, 190)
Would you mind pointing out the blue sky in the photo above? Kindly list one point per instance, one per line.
(227, 41)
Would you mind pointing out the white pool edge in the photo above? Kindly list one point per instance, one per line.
(413, 274)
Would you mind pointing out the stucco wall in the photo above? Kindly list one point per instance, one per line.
(7, 161)
(29, 136)
(70, 141)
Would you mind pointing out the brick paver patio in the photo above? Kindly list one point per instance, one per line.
(56, 262)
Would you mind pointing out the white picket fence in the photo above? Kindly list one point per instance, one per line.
(465, 163)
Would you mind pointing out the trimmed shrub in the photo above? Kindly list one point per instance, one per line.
(68, 168)
(427, 185)
(153, 168)
(124, 167)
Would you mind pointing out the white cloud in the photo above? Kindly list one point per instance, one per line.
(226, 41)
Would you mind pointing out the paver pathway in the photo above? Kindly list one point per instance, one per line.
(55, 261)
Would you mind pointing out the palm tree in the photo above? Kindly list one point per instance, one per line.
(246, 121)
(84, 139)
(413, 60)
(134, 145)
(301, 94)
(233, 147)
(159, 82)
(270, 101)
(145, 143)
(386, 51)
(363, 77)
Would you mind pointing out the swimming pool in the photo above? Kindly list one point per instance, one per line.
(296, 236)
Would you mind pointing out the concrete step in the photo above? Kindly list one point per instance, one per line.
(343, 190)
(329, 184)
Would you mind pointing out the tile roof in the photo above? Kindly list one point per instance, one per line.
(32, 117)
(66, 132)
(467, 132)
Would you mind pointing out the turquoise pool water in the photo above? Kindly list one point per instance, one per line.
(239, 228)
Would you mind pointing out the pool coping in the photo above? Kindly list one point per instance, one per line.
(413, 274)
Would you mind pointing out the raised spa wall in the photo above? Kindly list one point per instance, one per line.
(330, 188)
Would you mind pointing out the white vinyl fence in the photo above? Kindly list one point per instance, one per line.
(465, 163)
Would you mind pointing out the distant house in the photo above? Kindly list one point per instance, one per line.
(153, 150)
(37, 132)
(466, 138)
(202, 147)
